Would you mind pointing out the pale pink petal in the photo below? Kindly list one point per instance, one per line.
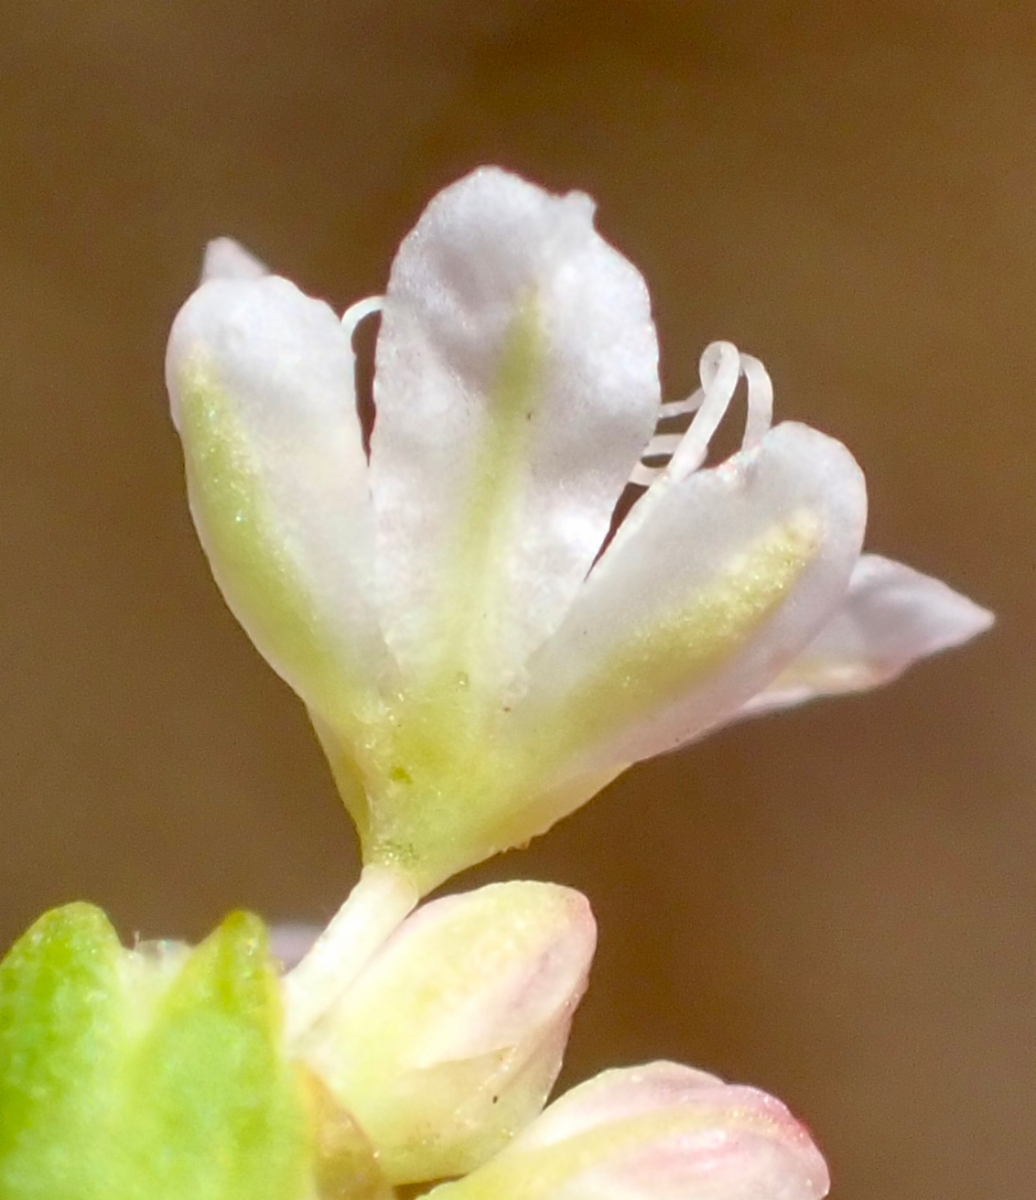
(713, 584)
(891, 617)
(658, 1132)
(615, 1095)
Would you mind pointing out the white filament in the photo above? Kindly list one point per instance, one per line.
(760, 402)
(351, 318)
(663, 445)
(677, 408)
(359, 311)
(644, 476)
(720, 368)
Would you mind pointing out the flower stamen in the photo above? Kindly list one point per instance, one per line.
(759, 417)
(363, 400)
(663, 445)
(720, 369)
(679, 408)
(359, 311)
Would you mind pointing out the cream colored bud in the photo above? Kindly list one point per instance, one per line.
(450, 1039)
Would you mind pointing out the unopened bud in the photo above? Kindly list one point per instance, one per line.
(449, 1041)
(658, 1132)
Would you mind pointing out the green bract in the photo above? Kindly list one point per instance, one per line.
(156, 1074)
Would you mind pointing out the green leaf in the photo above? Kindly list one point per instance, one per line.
(127, 1075)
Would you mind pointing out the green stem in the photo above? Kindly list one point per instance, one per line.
(374, 909)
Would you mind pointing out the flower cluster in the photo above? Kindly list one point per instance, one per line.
(481, 645)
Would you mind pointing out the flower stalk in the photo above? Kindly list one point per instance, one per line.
(374, 909)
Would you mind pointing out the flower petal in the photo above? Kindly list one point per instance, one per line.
(891, 617)
(227, 259)
(658, 1132)
(261, 382)
(617, 1095)
(516, 384)
(452, 1036)
(712, 585)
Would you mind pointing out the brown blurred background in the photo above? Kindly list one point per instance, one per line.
(837, 904)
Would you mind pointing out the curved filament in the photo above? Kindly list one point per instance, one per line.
(721, 368)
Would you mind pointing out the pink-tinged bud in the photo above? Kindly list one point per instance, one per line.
(657, 1132)
(449, 1041)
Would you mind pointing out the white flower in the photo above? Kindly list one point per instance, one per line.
(474, 664)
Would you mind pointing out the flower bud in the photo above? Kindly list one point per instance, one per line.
(451, 1038)
(657, 1132)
